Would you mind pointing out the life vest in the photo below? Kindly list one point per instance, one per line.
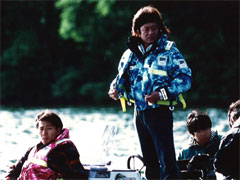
(36, 167)
(123, 100)
(125, 61)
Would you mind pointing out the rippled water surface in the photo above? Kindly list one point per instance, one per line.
(100, 134)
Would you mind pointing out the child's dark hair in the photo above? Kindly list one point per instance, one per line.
(198, 120)
(49, 116)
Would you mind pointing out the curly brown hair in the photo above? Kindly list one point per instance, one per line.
(233, 112)
(145, 15)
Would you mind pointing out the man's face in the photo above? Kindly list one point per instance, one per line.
(149, 33)
(47, 131)
(202, 136)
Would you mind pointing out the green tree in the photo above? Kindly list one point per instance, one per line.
(66, 52)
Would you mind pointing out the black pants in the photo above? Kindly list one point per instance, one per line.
(155, 132)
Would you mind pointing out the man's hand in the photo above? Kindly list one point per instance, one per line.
(152, 98)
(113, 93)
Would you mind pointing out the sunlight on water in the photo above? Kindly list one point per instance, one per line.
(101, 135)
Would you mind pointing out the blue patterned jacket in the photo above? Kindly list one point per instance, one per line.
(141, 72)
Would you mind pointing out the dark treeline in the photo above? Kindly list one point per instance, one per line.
(66, 52)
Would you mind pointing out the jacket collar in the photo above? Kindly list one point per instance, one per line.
(236, 123)
(193, 141)
(64, 135)
(135, 44)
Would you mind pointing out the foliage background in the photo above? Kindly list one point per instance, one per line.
(66, 52)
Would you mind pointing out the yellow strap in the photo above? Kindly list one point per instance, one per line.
(182, 100)
(62, 140)
(166, 103)
(38, 162)
(158, 72)
(160, 102)
(132, 101)
(123, 104)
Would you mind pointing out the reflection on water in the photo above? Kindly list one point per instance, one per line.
(100, 134)
(107, 140)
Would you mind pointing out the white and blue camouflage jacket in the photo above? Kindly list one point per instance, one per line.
(141, 72)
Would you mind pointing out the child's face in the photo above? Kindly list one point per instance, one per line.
(203, 136)
(47, 131)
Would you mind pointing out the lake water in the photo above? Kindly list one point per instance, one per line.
(100, 134)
